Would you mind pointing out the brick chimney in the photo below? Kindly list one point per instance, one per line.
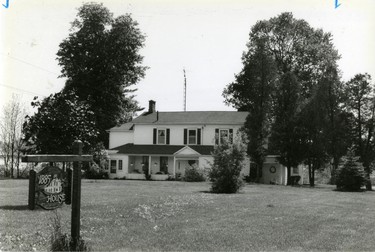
(151, 106)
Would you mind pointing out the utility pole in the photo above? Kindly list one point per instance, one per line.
(184, 90)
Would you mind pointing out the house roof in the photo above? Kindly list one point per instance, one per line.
(144, 149)
(186, 118)
(192, 117)
(123, 127)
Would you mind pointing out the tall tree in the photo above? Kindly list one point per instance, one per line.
(301, 55)
(360, 102)
(60, 119)
(11, 146)
(101, 60)
(257, 80)
(336, 121)
(312, 121)
(286, 138)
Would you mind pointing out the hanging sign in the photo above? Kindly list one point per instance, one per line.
(49, 189)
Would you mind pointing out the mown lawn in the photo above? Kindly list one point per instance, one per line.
(122, 215)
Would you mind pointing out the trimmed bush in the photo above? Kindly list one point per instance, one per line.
(228, 162)
(350, 176)
(194, 174)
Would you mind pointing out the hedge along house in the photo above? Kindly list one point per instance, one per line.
(164, 144)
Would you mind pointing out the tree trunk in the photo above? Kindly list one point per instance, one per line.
(311, 175)
(368, 179)
(288, 180)
(368, 182)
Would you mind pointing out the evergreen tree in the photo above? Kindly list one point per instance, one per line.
(351, 176)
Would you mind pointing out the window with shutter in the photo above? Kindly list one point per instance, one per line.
(222, 135)
(185, 136)
(216, 136)
(154, 136)
(199, 136)
(161, 136)
(168, 136)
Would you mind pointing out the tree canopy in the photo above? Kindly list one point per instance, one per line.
(101, 60)
(60, 120)
(297, 56)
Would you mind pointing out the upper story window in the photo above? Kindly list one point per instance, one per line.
(222, 135)
(161, 136)
(192, 136)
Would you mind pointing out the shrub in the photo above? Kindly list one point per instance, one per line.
(95, 173)
(350, 176)
(147, 175)
(194, 174)
(228, 162)
(63, 242)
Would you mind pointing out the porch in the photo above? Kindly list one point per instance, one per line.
(158, 162)
(159, 167)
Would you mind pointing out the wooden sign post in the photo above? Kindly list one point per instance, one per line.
(76, 197)
(72, 191)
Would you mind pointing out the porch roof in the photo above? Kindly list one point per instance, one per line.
(145, 149)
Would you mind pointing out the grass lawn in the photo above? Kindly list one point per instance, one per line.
(122, 215)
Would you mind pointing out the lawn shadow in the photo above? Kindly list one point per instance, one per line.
(206, 191)
(210, 192)
(15, 207)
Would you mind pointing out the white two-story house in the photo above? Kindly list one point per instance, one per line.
(163, 144)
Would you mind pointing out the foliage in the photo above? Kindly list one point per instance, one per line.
(100, 155)
(286, 130)
(194, 174)
(147, 174)
(62, 242)
(252, 91)
(351, 176)
(94, 172)
(360, 103)
(312, 120)
(11, 142)
(60, 120)
(228, 162)
(100, 59)
(285, 68)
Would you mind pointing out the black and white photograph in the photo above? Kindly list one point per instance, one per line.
(201, 125)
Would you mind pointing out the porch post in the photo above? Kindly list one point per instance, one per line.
(149, 165)
(174, 166)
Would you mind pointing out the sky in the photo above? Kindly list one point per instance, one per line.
(205, 37)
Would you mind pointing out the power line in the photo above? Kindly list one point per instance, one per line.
(22, 90)
(30, 64)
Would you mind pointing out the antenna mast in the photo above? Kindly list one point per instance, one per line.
(184, 90)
